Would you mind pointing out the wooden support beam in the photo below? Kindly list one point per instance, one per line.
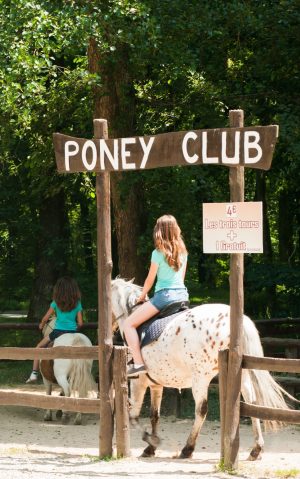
(232, 417)
(121, 401)
(223, 373)
(104, 302)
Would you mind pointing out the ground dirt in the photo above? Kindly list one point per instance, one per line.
(32, 449)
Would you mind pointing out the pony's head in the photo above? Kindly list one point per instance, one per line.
(49, 326)
(124, 295)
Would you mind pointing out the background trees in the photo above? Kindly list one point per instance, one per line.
(148, 67)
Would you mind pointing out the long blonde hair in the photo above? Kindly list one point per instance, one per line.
(167, 239)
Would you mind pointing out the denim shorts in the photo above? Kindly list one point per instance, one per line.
(58, 332)
(163, 297)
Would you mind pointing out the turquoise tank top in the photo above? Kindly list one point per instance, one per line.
(66, 320)
(167, 277)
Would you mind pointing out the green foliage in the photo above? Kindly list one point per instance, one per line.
(186, 66)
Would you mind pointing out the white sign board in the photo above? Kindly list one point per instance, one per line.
(233, 227)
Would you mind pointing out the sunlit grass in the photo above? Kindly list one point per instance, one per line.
(285, 474)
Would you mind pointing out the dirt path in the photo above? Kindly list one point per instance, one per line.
(31, 449)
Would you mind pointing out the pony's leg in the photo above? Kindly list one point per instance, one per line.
(249, 396)
(153, 439)
(63, 382)
(199, 389)
(59, 411)
(137, 392)
(48, 386)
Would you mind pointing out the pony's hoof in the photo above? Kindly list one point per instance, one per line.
(77, 421)
(65, 419)
(151, 439)
(186, 453)
(255, 454)
(254, 458)
(48, 417)
(148, 452)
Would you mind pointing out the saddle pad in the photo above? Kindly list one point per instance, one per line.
(152, 329)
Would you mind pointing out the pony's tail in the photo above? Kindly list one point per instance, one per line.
(81, 381)
(267, 391)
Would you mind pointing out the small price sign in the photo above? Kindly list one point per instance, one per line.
(233, 227)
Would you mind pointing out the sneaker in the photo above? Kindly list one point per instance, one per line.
(33, 377)
(132, 371)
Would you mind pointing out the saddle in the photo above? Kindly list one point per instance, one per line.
(153, 328)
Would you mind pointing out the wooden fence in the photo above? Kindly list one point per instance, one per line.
(83, 405)
(251, 410)
(290, 349)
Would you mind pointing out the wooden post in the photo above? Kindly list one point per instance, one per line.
(232, 419)
(121, 401)
(104, 302)
(223, 372)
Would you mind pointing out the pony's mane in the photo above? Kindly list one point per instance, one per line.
(126, 289)
(121, 282)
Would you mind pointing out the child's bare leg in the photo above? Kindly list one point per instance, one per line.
(138, 317)
(43, 343)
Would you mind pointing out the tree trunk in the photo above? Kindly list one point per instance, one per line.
(87, 240)
(114, 101)
(129, 225)
(260, 195)
(51, 254)
(285, 226)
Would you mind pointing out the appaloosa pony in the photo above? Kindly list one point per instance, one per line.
(185, 355)
(72, 375)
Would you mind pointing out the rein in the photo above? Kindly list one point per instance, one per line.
(129, 309)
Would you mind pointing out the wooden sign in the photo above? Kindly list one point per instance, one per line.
(250, 147)
(233, 227)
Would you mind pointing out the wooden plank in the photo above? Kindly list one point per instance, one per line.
(284, 342)
(197, 147)
(271, 364)
(121, 401)
(76, 352)
(223, 373)
(270, 414)
(34, 326)
(12, 398)
(104, 268)
(232, 416)
(278, 321)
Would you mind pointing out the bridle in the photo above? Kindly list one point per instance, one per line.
(129, 309)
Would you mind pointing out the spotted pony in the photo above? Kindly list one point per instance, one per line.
(186, 356)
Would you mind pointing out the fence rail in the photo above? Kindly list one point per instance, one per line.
(271, 364)
(270, 414)
(63, 352)
(49, 402)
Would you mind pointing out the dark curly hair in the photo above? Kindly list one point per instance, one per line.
(66, 293)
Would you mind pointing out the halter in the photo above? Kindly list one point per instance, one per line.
(129, 309)
(49, 325)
